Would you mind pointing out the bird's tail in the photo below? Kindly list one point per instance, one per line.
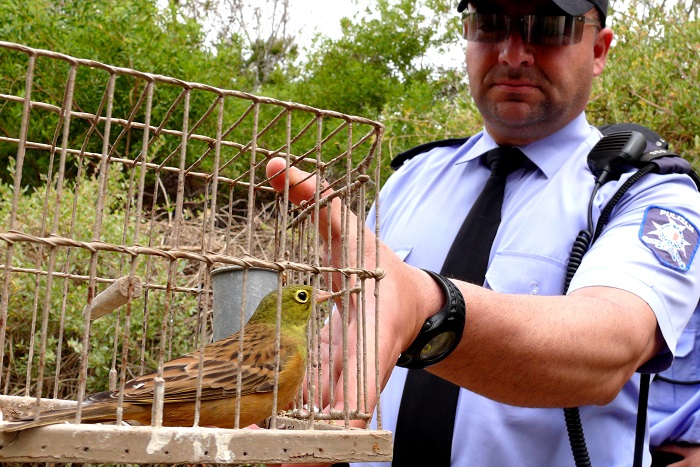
(92, 414)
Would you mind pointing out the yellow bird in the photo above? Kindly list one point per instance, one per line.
(219, 385)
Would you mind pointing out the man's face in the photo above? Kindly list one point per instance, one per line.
(526, 92)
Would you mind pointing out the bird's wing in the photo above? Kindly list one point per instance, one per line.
(220, 371)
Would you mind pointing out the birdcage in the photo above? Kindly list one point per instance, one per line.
(124, 196)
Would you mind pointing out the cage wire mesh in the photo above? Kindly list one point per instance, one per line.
(122, 192)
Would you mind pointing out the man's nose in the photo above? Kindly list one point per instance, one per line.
(515, 52)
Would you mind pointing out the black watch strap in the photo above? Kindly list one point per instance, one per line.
(441, 333)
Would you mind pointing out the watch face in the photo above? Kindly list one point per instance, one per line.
(437, 346)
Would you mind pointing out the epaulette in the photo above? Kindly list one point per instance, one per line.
(398, 161)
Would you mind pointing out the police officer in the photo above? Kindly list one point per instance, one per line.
(527, 349)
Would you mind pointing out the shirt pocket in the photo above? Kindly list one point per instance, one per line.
(525, 273)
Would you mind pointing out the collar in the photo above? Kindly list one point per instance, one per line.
(548, 154)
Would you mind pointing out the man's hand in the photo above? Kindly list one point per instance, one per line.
(690, 453)
(339, 229)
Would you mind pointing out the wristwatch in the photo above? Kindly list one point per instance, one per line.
(440, 333)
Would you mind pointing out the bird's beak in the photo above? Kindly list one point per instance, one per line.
(322, 296)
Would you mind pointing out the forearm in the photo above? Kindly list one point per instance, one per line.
(551, 351)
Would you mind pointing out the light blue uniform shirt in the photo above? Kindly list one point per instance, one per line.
(545, 206)
(674, 410)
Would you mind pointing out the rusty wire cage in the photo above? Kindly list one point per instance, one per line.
(140, 186)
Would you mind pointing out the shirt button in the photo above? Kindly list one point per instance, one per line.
(534, 288)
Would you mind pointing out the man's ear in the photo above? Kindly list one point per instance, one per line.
(601, 47)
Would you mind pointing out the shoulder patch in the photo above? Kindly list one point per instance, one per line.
(670, 236)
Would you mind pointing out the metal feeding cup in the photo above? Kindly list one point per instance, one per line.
(228, 283)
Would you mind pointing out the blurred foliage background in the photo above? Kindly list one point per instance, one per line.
(381, 66)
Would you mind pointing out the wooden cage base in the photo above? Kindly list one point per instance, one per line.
(290, 442)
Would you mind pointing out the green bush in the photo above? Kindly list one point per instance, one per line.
(30, 295)
(651, 76)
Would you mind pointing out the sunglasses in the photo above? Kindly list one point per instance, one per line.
(549, 30)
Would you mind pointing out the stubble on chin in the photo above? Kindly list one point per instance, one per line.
(516, 122)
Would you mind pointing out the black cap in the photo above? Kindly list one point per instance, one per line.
(570, 7)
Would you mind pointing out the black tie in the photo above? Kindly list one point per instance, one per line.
(425, 423)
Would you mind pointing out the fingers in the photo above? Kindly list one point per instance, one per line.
(342, 234)
(302, 189)
(342, 239)
(301, 186)
(690, 453)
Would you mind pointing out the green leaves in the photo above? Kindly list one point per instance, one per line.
(374, 61)
(652, 74)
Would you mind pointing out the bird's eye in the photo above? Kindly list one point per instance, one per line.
(302, 296)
